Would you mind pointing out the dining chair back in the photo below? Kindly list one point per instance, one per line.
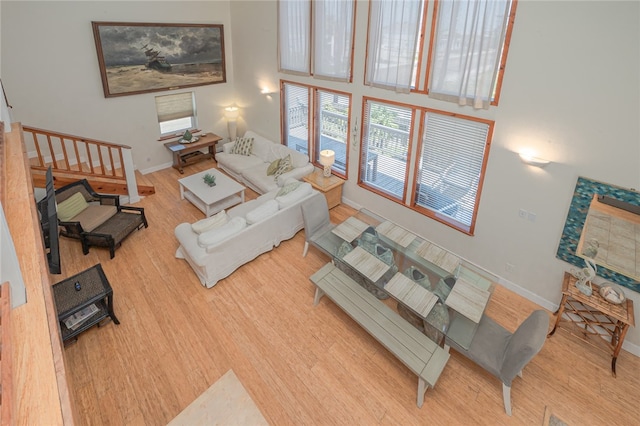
(315, 215)
(504, 354)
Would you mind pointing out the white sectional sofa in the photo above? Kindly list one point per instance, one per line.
(248, 230)
(252, 169)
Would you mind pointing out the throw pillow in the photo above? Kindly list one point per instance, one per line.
(273, 167)
(283, 167)
(262, 212)
(243, 146)
(71, 207)
(214, 236)
(289, 187)
(209, 223)
(294, 196)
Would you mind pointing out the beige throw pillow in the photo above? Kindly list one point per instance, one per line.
(273, 167)
(283, 167)
(243, 146)
(209, 223)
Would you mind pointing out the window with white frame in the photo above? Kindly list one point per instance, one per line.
(446, 180)
(176, 113)
(315, 119)
(325, 51)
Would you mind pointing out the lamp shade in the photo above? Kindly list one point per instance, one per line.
(231, 113)
(327, 157)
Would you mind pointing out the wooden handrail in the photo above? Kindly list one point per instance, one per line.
(107, 166)
(75, 154)
(6, 364)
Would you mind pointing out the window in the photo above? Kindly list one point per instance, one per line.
(445, 181)
(392, 43)
(294, 36)
(309, 110)
(468, 50)
(295, 116)
(386, 137)
(453, 152)
(465, 47)
(176, 113)
(332, 130)
(329, 44)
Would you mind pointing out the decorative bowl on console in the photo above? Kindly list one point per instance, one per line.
(612, 293)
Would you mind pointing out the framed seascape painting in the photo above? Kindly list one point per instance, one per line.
(138, 58)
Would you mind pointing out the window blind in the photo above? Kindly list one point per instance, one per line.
(333, 126)
(175, 106)
(452, 156)
(296, 117)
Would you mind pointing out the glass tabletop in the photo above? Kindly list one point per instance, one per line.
(436, 291)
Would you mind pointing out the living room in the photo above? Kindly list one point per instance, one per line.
(556, 98)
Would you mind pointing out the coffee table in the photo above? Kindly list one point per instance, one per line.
(211, 199)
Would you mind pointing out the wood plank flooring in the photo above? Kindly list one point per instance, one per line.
(301, 364)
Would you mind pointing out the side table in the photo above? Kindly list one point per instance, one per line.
(330, 186)
(185, 154)
(80, 291)
(593, 314)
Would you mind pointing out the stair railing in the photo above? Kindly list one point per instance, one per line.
(81, 157)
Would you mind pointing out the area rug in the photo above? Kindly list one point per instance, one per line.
(551, 419)
(226, 402)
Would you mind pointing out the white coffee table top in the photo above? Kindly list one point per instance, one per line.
(225, 186)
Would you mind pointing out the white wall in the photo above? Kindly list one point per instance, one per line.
(51, 75)
(571, 91)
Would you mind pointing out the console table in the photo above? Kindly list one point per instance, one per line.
(80, 291)
(185, 154)
(593, 314)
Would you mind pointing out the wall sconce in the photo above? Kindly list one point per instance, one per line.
(533, 161)
(266, 91)
(327, 158)
(231, 113)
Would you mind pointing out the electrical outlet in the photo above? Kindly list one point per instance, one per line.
(522, 214)
(510, 268)
(531, 217)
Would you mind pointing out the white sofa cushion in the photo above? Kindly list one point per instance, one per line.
(214, 236)
(294, 196)
(239, 163)
(209, 223)
(262, 212)
(261, 146)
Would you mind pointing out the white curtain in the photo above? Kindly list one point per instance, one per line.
(333, 39)
(393, 33)
(468, 47)
(294, 23)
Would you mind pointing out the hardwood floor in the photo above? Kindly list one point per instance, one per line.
(301, 364)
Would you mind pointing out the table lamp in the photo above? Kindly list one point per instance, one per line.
(327, 158)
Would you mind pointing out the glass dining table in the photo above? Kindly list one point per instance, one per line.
(438, 292)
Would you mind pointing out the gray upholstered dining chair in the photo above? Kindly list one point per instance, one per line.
(504, 354)
(315, 215)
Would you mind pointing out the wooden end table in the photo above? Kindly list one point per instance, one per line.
(80, 291)
(185, 154)
(330, 186)
(593, 314)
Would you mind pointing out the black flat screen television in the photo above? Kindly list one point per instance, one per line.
(49, 225)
